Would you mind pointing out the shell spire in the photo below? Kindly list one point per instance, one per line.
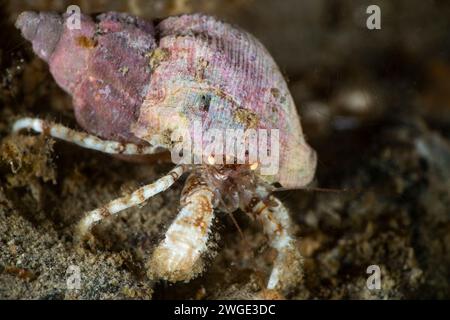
(102, 64)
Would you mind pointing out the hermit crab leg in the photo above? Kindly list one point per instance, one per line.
(178, 256)
(287, 269)
(82, 139)
(134, 199)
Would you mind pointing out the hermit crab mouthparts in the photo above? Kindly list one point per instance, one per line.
(43, 30)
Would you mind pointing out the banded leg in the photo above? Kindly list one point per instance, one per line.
(288, 266)
(82, 139)
(179, 256)
(134, 199)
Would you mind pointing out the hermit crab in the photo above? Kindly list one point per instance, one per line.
(135, 83)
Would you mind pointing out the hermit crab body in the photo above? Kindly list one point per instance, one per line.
(137, 84)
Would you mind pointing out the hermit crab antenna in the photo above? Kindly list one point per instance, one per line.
(329, 190)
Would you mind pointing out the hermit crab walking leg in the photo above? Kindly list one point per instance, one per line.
(82, 139)
(287, 268)
(134, 199)
(178, 256)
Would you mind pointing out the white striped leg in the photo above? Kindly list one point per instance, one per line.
(179, 256)
(82, 139)
(288, 267)
(134, 199)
